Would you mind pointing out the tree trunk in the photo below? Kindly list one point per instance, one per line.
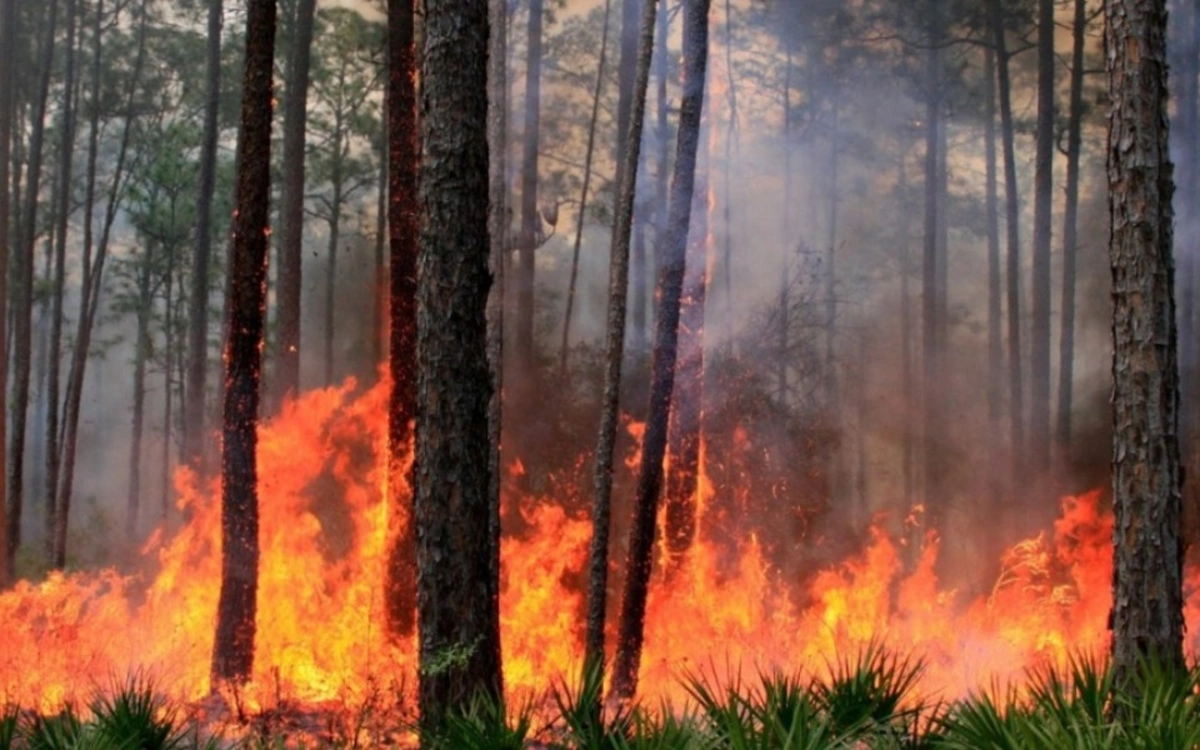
(1066, 361)
(168, 390)
(458, 609)
(1016, 404)
(618, 289)
(291, 209)
(233, 650)
(687, 407)
(662, 133)
(789, 198)
(194, 431)
(626, 75)
(995, 385)
(530, 220)
(335, 224)
(403, 155)
(583, 196)
(1147, 617)
(142, 346)
(55, 517)
(8, 39)
(908, 455)
(930, 308)
(1039, 388)
(674, 252)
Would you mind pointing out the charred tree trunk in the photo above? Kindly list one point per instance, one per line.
(403, 157)
(291, 209)
(674, 253)
(530, 220)
(1016, 403)
(687, 405)
(1147, 616)
(618, 288)
(8, 40)
(197, 355)
(233, 649)
(55, 517)
(458, 609)
(583, 195)
(1039, 381)
(1066, 360)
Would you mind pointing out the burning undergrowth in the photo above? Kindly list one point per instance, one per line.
(321, 635)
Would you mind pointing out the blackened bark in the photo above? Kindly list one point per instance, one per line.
(402, 311)
(583, 195)
(618, 288)
(458, 610)
(233, 650)
(1066, 359)
(674, 253)
(1147, 616)
(291, 209)
(530, 219)
(1039, 358)
(197, 356)
(55, 516)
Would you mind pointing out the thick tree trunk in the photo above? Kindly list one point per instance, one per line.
(55, 516)
(458, 609)
(233, 650)
(291, 209)
(618, 289)
(1039, 381)
(403, 155)
(194, 431)
(674, 253)
(530, 220)
(8, 39)
(1016, 403)
(1147, 617)
(1066, 358)
(583, 195)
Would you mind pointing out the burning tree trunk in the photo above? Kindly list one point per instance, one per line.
(618, 287)
(1066, 362)
(23, 297)
(402, 231)
(583, 195)
(1039, 381)
(1147, 617)
(530, 220)
(233, 650)
(291, 209)
(458, 610)
(688, 398)
(54, 515)
(197, 354)
(8, 38)
(673, 254)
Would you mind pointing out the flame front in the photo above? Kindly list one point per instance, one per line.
(321, 635)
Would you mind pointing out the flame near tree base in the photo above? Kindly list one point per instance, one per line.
(321, 631)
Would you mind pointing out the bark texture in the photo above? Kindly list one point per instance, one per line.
(1147, 613)
(666, 339)
(233, 651)
(458, 610)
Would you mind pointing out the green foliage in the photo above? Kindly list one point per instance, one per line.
(484, 725)
(10, 718)
(134, 715)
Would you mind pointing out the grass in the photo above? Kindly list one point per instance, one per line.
(870, 700)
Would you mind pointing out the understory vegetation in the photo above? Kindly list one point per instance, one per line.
(872, 700)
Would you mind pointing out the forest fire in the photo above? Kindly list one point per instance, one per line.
(321, 633)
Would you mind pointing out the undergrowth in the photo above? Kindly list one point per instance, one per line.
(871, 700)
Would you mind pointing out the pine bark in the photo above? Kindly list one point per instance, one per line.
(1147, 616)
(233, 650)
(1066, 353)
(666, 338)
(458, 609)
(618, 289)
(194, 431)
(530, 219)
(402, 311)
(291, 209)
(1039, 359)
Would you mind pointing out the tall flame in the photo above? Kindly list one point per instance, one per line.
(321, 626)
